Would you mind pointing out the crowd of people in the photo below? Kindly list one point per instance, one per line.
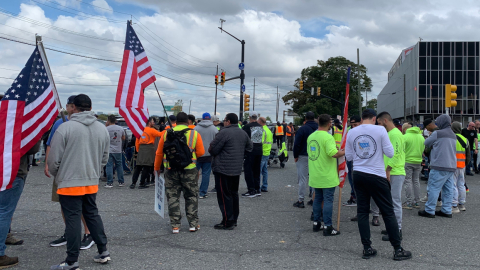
(382, 157)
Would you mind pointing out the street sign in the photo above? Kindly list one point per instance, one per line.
(243, 88)
(169, 108)
(241, 66)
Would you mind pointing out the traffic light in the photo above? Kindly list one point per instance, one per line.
(223, 77)
(216, 79)
(301, 85)
(319, 89)
(450, 95)
(246, 103)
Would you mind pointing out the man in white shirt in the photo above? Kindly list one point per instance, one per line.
(365, 146)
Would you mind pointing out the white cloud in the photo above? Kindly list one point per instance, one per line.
(103, 6)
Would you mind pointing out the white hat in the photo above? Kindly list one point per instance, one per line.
(214, 118)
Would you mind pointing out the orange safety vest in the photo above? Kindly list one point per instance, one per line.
(279, 131)
(290, 131)
(461, 156)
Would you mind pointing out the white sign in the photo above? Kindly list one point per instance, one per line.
(406, 52)
(243, 88)
(241, 66)
(159, 195)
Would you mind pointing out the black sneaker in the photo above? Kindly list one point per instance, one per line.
(87, 242)
(352, 202)
(258, 193)
(384, 232)
(59, 242)
(317, 226)
(401, 254)
(310, 203)
(213, 191)
(375, 221)
(264, 190)
(108, 185)
(219, 226)
(442, 214)
(250, 195)
(330, 231)
(424, 213)
(132, 186)
(369, 253)
(142, 186)
(299, 204)
(102, 258)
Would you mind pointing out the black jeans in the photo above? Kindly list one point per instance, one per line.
(227, 197)
(475, 156)
(146, 171)
(290, 143)
(73, 207)
(252, 168)
(378, 188)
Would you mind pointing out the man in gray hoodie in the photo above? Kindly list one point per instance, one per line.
(443, 164)
(79, 150)
(207, 131)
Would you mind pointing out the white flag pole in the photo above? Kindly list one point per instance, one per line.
(41, 49)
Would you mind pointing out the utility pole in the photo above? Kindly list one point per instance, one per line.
(254, 93)
(216, 88)
(189, 106)
(404, 100)
(359, 90)
(276, 120)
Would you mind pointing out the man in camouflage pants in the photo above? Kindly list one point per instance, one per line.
(185, 180)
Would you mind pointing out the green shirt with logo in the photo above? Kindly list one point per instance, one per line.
(397, 162)
(322, 167)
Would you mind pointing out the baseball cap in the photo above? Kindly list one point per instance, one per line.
(369, 112)
(214, 118)
(172, 118)
(70, 99)
(206, 116)
(396, 122)
(83, 101)
(310, 115)
(253, 114)
(427, 122)
(336, 121)
(355, 119)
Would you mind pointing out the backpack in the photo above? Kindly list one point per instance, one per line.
(176, 149)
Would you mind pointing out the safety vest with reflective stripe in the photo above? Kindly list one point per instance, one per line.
(283, 150)
(289, 131)
(191, 136)
(461, 156)
(279, 131)
(267, 141)
(337, 135)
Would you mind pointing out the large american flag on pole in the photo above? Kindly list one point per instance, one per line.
(27, 111)
(136, 74)
(342, 167)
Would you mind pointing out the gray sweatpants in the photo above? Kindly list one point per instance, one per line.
(412, 182)
(302, 173)
(396, 183)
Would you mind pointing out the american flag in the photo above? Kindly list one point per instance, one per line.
(136, 74)
(27, 110)
(342, 167)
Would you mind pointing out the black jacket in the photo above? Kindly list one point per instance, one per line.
(228, 149)
(300, 144)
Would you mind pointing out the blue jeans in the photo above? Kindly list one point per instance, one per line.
(264, 172)
(206, 168)
(440, 181)
(115, 159)
(324, 195)
(8, 202)
(125, 163)
(350, 178)
(470, 164)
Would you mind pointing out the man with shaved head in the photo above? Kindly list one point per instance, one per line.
(471, 134)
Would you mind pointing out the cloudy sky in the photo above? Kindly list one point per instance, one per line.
(184, 45)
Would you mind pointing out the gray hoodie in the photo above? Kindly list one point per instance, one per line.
(79, 150)
(207, 131)
(443, 143)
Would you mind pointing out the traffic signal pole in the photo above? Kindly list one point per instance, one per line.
(216, 88)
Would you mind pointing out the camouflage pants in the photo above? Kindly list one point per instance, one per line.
(175, 183)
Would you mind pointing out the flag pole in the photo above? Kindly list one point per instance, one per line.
(39, 42)
(166, 115)
(343, 169)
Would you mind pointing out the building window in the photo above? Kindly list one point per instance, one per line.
(423, 49)
(422, 78)
(422, 106)
(446, 77)
(471, 63)
(434, 48)
(446, 49)
(458, 48)
(434, 63)
(422, 63)
(458, 63)
(471, 48)
(422, 91)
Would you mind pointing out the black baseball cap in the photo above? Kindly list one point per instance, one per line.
(70, 99)
(172, 118)
(310, 115)
(336, 121)
(368, 112)
(82, 101)
(427, 122)
(355, 119)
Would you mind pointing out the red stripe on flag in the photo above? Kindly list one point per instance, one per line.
(145, 71)
(29, 130)
(39, 107)
(131, 87)
(121, 80)
(148, 82)
(142, 61)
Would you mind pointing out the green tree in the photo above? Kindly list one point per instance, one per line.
(331, 76)
(103, 117)
(372, 104)
(178, 107)
(268, 118)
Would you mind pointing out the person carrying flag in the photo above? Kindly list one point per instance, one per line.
(323, 174)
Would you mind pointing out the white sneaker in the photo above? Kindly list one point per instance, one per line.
(175, 230)
(461, 207)
(424, 199)
(194, 229)
(455, 210)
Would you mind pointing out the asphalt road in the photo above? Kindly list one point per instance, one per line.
(271, 233)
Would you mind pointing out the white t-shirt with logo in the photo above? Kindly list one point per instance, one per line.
(366, 145)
